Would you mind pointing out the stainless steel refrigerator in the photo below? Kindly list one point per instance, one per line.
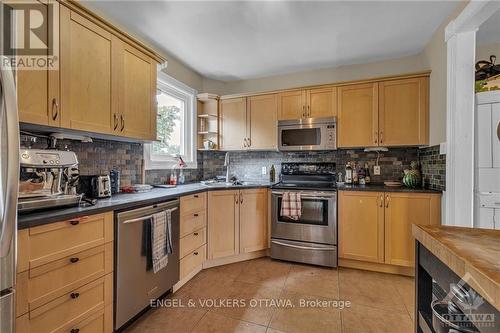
(9, 178)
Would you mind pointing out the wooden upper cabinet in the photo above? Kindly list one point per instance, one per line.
(321, 102)
(233, 116)
(401, 211)
(361, 226)
(86, 74)
(223, 226)
(136, 97)
(38, 93)
(357, 115)
(253, 220)
(262, 122)
(404, 112)
(292, 105)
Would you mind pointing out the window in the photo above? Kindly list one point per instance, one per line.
(175, 126)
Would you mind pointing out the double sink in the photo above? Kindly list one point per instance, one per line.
(228, 184)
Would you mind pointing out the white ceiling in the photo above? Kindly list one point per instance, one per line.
(242, 40)
(489, 31)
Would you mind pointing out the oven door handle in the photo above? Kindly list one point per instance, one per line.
(303, 247)
(322, 197)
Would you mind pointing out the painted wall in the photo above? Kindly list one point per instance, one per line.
(483, 51)
(414, 63)
(435, 55)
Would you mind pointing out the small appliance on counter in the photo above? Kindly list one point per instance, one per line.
(48, 179)
(114, 176)
(96, 186)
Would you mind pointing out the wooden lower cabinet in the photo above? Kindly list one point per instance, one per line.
(401, 211)
(361, 226)
(253, 220)
(375, 227)
(65, 276)
(223, 229)
(237, 222)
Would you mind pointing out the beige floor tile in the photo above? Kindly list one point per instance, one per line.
(208, 284)
(272, 330)
(167, 320)
(309, 319)
(266, 272)
(370, 289)
(371, 320)
(313, 280)
(214, 323)
(406, 289)
(257, 308)
(231, 270)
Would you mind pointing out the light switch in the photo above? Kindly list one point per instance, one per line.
(376, 170)
(264, 170)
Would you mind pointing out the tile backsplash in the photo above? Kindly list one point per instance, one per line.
(101, 156)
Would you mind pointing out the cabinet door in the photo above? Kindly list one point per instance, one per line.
(223, 226)
(262, 121)
(253, 220)
(358, 115)
(137, 94)
(401, 211)
(404, 112)
(322, 102)
(361, 226)
(86, 74)
(38, 92)
(292, 105)
(233, 115)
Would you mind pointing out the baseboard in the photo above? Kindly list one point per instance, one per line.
(376, 267)
(186, 279)
(237, 258)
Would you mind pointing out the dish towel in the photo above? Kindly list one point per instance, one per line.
(291, 205)
(161, 239)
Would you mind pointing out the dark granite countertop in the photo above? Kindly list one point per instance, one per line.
(119, 202)
(383, 188)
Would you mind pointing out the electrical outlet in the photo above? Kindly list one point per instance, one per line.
(376, 170)
(264, 170)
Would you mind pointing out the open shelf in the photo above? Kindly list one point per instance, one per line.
(207, 133)
(206, 116)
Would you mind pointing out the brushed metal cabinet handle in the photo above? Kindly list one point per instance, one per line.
(55, 106)
(387, 198)
(241, 198)
(375, 137)
(236, 198)
(381, 136)
(115, 121)
(123, 123)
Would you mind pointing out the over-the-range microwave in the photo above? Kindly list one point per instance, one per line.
(307, 134)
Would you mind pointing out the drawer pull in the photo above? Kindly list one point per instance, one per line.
(195, 196)
(73, 260)
(195, 215)
(196, 234)
(195, 253)
(74, 295)
(74, 330)
(74, 222)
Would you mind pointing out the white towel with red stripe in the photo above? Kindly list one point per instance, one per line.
(291, 205)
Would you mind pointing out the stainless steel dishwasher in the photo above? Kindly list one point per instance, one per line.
(135, 286)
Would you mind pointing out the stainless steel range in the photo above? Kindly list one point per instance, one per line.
(312, 237)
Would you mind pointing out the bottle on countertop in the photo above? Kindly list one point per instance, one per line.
(355, 178)
(182, 165)
(368, 178)
(348, 173)
(272, 174)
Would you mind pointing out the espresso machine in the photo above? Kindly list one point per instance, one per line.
(48, 179)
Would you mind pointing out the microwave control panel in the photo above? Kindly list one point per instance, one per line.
(331, 135)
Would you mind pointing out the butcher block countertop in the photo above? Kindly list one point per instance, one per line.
(467, 250)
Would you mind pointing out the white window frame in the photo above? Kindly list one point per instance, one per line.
(460, 37)
(187, 94)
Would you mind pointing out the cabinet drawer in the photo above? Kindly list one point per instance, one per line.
(44, 283)
(67, 311)
(192, 260)
(192, 222)
(192, 241)
(193, 203)
(54, 241)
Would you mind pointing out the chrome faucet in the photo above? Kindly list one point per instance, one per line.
(226, 164)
